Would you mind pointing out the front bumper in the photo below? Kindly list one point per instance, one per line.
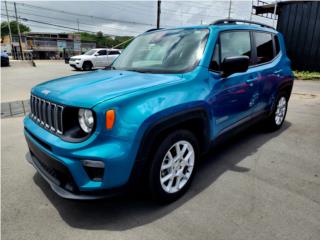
(75, 64)
(59, 177)
(74, 181)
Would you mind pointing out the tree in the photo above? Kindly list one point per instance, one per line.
(14, 28)
(105, 41)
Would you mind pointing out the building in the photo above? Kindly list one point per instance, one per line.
(48, 45)
(299, 22)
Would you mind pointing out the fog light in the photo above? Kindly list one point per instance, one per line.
(94, 169)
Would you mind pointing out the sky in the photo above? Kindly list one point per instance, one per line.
(123, 17)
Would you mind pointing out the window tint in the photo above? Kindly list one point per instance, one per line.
(277, 44)
(215, 63)
(114, 53)
(102, 52)
(235, 44)
(264, 47)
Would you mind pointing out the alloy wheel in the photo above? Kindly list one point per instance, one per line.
(177, 166)
(281, 110)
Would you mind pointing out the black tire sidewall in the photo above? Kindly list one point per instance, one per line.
(155, 187)
(87, 66)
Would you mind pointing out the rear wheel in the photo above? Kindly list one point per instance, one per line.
(279, 112)
(87, 66)
(173, 166)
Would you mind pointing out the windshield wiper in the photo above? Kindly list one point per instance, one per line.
(110, 68)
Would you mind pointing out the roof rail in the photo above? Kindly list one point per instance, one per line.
(153, 29)
(234, 21)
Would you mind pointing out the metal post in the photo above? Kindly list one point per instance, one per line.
(274, 13)
(229, 12)
(78, 25)
(251, 10)
(10, 34)
(19, 33)
(158, 13)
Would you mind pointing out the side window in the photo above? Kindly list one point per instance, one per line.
(231, 44)
(113, 53)
(215, 62)
(102, 52)
(277, 44)
(235, 44)
(264, 47)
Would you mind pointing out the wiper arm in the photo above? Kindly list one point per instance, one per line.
(110, 68)
(136, 70)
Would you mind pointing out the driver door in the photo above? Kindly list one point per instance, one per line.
(233, 97)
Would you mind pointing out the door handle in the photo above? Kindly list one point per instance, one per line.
(251, 81)
(278, 71)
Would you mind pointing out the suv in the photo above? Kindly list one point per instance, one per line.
(94, 58)
(167, 98)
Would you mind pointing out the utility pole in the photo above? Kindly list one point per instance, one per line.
(19, 33)
(229, 12)
(78, 25)
(10, 34)
(274, 13)
(251, 10)
(158, 14)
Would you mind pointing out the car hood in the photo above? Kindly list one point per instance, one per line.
(82, 56)
(87, 90)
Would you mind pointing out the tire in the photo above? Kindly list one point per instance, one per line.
(158, 186)
(279, 112)
(87, 66)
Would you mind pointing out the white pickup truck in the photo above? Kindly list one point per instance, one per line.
(94, 58)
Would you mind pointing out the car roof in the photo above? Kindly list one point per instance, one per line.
(229, 24)
(109, 49)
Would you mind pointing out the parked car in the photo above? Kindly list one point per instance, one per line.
(94, 58)
(170, 96)
(4, 59)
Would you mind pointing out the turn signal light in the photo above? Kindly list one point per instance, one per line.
(110, 118)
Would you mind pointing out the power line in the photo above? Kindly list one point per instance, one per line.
(50, 24)
(64, 19)
(83, 15)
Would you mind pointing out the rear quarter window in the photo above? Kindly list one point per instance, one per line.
(277, 44)
(264, 47)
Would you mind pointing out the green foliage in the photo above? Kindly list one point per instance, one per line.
(105, 41)
(306, 75)
(14, 28)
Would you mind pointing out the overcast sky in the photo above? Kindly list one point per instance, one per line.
(124, 17)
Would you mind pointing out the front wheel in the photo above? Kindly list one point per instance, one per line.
(173, 166)
(279, 112)
(87, 66)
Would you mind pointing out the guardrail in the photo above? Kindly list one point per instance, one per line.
(15, 108)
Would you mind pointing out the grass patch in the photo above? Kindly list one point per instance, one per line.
(306, 75)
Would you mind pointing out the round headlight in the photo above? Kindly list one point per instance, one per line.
(86, 120)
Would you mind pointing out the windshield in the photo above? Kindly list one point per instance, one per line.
(90, 52)
(164, 51)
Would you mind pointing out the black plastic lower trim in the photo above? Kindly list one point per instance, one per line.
(60, 179)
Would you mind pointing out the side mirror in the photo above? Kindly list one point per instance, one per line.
(231, 65)
(96, 54)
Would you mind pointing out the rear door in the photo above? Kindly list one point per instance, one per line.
(232, 97)
(266, 64)
(112, 55)
(102, 58)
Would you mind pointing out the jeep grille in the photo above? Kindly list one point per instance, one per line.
(47, 114)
